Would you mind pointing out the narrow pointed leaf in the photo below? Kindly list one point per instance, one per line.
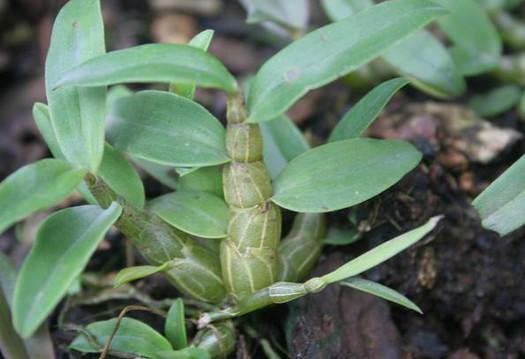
(198, 213)
(496, 101)
(175, 327)
(167, 129)
(380, 253)
(360, 116)
(132, 337)
(77, 114)
(64, 244)
(130, 274)
(43, 122)
(333, 51)
(166, 63)
(502, 205)
(477, 45)
(342, 174)
(381, 291)
(201, 41)
(35, 187)
(283, 141)
(421, 57)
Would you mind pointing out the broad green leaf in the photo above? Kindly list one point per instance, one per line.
(381, 253)
(496, 101)
(477, 45)
(63, 246)
(421, 57)
(116, 93)
(333, 51)
(130, 274)
(360, 116)
(502, 205)
(289, 15)
(381, 291)
(121, 177)
(77, 114)
(168, 63)
(198, 213)
(341, 237)
(132, 337)
(201, 41)
(11, 345)
(186, 353)
(342, 174)
(283, 141)
(175, 327)
(205, 179)
(115, 170)
(165, 128)
(35, 187)
(426, 62)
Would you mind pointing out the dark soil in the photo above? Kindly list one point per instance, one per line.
(469, 282)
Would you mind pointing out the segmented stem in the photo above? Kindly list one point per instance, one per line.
(196, 269)
(249, 258)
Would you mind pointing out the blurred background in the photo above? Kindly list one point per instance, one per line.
(469, 282)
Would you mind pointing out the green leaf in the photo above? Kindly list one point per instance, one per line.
(333, 51)
(121, 177)
(341, 237)
(77, 114)
(477, 45)
(186, 353)
(360, 116)
(426, 62)
(496, 101)
(421, 57)
(132, 337)
(168, 63)
(502, 205)
(115, 170)
(167, 175)
(11, 345)
(198, 213)
(168, 129)
(35, 187)
(381, 291)
(283, 141)
(201, 41)
(63, 246)
(205, 179)
(130, 274)
(175, 327)
(287, 14)
(43, 122)
(380, 254)
(342, 174)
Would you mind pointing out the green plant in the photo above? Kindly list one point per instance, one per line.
(239, 264)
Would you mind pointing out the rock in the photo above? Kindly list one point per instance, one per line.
(454, 130)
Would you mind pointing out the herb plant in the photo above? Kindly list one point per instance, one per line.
(233, 182)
